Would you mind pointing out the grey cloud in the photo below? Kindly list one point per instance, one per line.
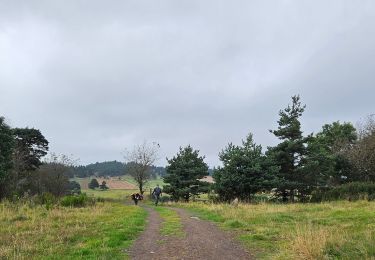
(97, 77)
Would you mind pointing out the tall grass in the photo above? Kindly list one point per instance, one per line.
(101, 231)
(335, 230)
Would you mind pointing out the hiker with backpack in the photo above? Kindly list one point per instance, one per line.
(157, 193)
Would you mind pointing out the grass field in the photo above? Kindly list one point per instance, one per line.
(117, 195)
(103, 231)
(125, 182)
(336, 230)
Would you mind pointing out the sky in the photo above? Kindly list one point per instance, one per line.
(98, 77)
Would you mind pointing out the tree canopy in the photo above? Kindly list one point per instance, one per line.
(183, 173)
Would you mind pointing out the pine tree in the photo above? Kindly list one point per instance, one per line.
(289, 154)
(6, 148)
(246, 171)
(93, 184)
(183, 174)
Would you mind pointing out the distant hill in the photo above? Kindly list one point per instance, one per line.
(110, 168)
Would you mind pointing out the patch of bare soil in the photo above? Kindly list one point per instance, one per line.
(203, 240)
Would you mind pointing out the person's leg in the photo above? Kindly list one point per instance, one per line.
(156, 200)
(136, 202)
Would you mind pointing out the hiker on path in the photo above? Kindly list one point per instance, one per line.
(157, 193)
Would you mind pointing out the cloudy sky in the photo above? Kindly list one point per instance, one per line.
(98, 76)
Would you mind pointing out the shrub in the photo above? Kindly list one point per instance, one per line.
(74, 187)
(350, 191)
(80, 200)
(46, 199)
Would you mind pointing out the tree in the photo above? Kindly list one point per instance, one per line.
(325, 154)
(30, 147)
(53, 176)
(362, 153)
(93, 184)
(245, 171)
(139, 162)
(74, 187)
(6, 148)
(290, 153)
(183, 173)
(103, 186)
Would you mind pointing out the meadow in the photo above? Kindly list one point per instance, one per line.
(106, 230)
(335, 230)
(101, 231)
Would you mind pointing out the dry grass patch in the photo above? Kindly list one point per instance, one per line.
(336, 230)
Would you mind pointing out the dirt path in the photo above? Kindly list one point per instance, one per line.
(203, 240)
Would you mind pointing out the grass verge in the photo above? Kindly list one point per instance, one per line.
(172, 225)
(335, 230)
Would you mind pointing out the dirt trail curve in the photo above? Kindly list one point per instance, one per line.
(203, 240)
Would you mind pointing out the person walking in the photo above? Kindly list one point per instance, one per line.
(157, 193)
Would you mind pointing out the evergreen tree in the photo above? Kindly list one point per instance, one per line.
(30, 147)
(289, 154)
(6, 148)
(93, 184)
(183, 173)
(245, 171)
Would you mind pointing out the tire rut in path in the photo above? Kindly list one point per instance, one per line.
(203, 240)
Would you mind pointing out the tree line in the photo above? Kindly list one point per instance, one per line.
(294, 170)
(110, 168)
(22, 170)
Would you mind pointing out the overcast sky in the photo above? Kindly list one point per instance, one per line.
(98, 76)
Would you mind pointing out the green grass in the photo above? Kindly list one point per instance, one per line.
(171, 225)
(149, 185)
(336, 230)
(119, 195)
(103, 231)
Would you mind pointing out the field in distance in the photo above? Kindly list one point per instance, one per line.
(119, 182)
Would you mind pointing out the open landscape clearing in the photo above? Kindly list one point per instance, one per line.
(106, 230)
(101, 231)
(187, 130)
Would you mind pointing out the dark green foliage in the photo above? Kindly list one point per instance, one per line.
(93, 184)
(245, 171)
(289, 154)
(111, 168)
(350, 191)
(80, 200)
(74, 187)
(46, 199)
(325, 154)
(183, 173)
(103, 186)
(31, 146)
(6, 147)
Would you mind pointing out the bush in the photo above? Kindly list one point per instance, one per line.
(46, 199)
(350, 191)
(80, 200)
(74, 187)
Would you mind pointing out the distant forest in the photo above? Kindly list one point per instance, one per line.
(111, 168)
